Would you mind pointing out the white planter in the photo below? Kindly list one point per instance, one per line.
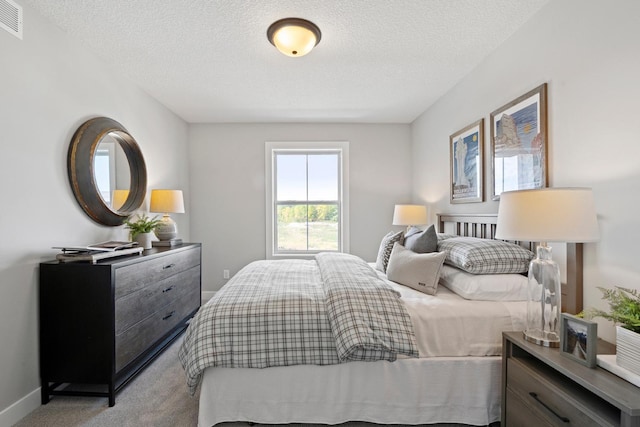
(144, 240)
(628, 350)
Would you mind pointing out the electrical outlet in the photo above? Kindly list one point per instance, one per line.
(225, 274)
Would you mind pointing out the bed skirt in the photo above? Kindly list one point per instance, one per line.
(464, 390)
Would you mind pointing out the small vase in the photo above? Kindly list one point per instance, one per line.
(628, 350)
(144, 240)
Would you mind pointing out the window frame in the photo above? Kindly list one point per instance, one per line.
(305, 147)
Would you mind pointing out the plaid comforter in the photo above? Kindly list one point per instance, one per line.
(277, 313)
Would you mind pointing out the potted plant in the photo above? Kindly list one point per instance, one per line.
(142, 228)
(625, 313)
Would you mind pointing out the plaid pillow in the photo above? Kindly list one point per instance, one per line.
(484, 256)
(386, 246)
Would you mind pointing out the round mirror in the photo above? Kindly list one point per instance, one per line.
(106, 171)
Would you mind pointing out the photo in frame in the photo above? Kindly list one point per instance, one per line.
(466, 148)
(579, 339)
(519, 143)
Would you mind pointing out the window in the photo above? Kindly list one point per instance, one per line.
(307, 205)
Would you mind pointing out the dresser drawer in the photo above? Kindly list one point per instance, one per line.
(552, 398)
(138, 305)
(135, 340)
(132, 278)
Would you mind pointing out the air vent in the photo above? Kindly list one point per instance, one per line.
(11, 17)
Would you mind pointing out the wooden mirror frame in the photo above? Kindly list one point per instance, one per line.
(80, 167)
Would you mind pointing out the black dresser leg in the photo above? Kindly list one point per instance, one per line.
(112, 395)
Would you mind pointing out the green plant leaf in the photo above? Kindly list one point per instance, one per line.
(143, 224)
(624, 307)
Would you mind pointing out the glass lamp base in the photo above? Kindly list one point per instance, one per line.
(537, 337)
(544, 306)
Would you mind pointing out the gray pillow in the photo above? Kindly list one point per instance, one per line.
(386, 246)
(421, 241)
(417, 271)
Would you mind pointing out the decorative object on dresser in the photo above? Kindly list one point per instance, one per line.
(466, 148)
(142, 228)
(578, 339)
(546, 215)
(541, 387)
(166, 202)
(519, 143)
(103, 323)
(103, 156)
(409, 215)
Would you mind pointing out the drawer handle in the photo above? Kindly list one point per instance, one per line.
(170, 288)
(167, 266)
(535, 396)
(169, 315)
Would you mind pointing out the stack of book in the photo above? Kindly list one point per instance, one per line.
(98, 251)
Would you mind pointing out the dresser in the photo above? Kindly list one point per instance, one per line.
(102, 323)
(540, 387)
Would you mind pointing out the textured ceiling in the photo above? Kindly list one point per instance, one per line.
(379, 61)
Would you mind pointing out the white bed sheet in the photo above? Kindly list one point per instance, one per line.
(446, 324)
(462, 390)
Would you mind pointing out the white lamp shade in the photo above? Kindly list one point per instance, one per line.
(166, 201)
(410, 215)
(548, 215)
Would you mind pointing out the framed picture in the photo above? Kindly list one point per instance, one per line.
(579, 339)
(519, 143)
(466, 149)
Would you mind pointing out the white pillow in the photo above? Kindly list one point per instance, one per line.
(417, 271)
(485, 287)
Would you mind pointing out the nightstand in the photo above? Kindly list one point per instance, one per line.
(540, 387)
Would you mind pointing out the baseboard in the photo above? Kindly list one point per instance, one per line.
(20, 409)
(207, 295)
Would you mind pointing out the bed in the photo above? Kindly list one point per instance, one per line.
(451, 375)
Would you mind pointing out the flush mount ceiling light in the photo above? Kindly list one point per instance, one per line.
(294, 36)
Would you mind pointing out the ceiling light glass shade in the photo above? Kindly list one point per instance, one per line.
(546, 215)
(294, 36)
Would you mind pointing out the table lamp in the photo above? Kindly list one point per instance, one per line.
(410, 215)
(546, 215)
(166, 202)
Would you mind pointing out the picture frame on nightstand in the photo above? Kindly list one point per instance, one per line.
(579, 339)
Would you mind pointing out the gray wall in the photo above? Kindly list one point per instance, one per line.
(50, 85)
(227, 170)
(587, 52)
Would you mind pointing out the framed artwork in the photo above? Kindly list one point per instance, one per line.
(519, 143)
(579, 339)
(466, 148)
